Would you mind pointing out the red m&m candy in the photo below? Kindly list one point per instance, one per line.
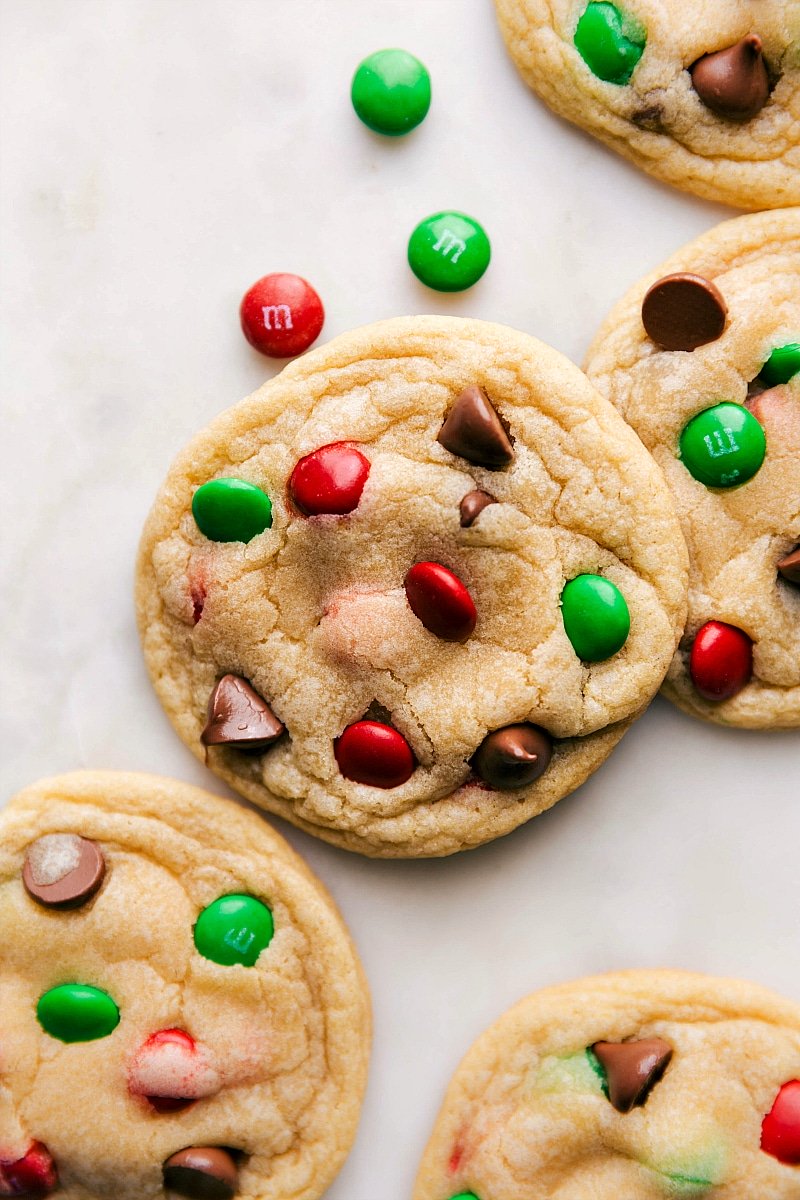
(376, 754)
(34, 1174)
(330, 480)
(440, 601)
(281, 315)
(780, 1129)
(721, 661)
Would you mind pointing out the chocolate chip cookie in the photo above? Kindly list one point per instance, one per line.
(702, 357)
(183, 1013)
(704, 96)
(413, 591)
(642, 1084)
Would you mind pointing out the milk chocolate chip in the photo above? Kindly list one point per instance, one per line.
(513, 757)
(733, 82)
(789, 567)
(237, 716)
(202, 1173)
(632, 1069)
(682, 312)
(63, 870)
(473, 505)
(474, 431)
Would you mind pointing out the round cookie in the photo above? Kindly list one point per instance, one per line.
(646, 1085)
(186, 1016)
(386, 663)
(723, 422)
(705, 96)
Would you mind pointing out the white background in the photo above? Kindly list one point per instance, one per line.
(158, 157)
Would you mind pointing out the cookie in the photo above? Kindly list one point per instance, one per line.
(643, 1085)
(703, 358)
(183, 1013)
(382, 656)
(705, 96)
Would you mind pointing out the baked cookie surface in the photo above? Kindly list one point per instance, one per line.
(723, 422)
(704, 96)
(183, 1013)
(639, 1084)
(393, 640)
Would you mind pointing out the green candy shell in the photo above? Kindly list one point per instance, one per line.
(782, 365)
(391, 92)
(77, 1012)
(449, 251)
(723, 446)
(610, 42)
(231, 510)
(596, 617)
(234, 930)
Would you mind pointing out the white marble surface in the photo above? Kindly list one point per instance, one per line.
(157, 157)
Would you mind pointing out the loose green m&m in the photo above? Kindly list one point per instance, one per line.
(449, 251)
(231, 510)
(610, 41)
(391, 92)
(234, 929)
(782, 364)
(76, 1012)
(596, 617)
(723, 446)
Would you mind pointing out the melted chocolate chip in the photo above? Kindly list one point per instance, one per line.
(202, 1173)
(237, 716)
(734, 82)
(473, 505)
(474, 431)
(63, 870)
(682, 312)
(789, 567)
(632, 1069)
(513, 757)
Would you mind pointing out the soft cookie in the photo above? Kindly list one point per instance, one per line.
(641, 1085)
(183, 1013)
(703, 95)
(703, 359)
(412, 592)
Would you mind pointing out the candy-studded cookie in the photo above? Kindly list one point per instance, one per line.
(183, 1013)
(703, 359)
(703, 95)
(412, 591)
(641, 1085)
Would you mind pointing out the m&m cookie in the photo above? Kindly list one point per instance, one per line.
(458, 577)
(705, 96)
(703, 359)
(183, 1013)
(642, 1085)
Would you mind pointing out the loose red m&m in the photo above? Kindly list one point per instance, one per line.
(34, 1174)
(441, 602)
(721, 661)
(376, 754)
(281, 315)
(780, 1129)
(329, 480)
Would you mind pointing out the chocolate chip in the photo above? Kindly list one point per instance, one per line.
(632, 1069)
(650, 117)
(513, 757)
(734, 82)
(237, 716)
(789, 567)
(473, 505)
(682, 312)
(63, 870)
(202, 1173)
(474, 431)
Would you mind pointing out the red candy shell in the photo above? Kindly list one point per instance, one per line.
(721, 661)
(376, 754)
(33, 1175)
(329, 480)
(441, 602)
(780, 1129)
(281, 315)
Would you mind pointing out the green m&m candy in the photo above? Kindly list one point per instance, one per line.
(76, 1012)
(610, 41)
(596, 617)
(449, 251)
(234, 929)
(723, 446)
(782, 364)
(231, 510)
(391, 92)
